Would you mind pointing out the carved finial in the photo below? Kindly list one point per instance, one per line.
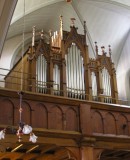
(33, 35)
(85, 27)
(110, 52)
(61, 26)
(42, 34)
(85, 31)
(50, 32)
(103, 49)
(61, 21)
(73, 21)
(96, 49)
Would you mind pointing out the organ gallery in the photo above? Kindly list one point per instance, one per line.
(70, 100)
(63, 67)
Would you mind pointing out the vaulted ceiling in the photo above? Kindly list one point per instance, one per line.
(108, 22)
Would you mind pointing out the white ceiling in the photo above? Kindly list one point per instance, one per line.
(108, 21)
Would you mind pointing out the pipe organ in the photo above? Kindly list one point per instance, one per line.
(62, 67)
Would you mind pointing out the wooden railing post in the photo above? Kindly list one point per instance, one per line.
(63, 71)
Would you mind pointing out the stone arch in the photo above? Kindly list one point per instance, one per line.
(6, 112)
(98, 126)
(40, 116)
(109, 124)
(122, 125)
(55, 118)
(71, 120)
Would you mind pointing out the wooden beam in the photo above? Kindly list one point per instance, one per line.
(31, 149)
(27, 156)
(16, 148)
(11, 155)
(45, 149)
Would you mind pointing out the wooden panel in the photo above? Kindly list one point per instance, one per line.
(6, 112)
(122, 125)
(71, 116)
(13, 78)
(55, 118)
(109, 124)
(39, 116)
(97, 122)
(85, 119)
(87, 153)
(56, 114)
(26, 114)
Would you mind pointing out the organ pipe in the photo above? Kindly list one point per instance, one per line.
(94, 85)
(74, 72)
(56, 79)
(41, 67)
(106, 85)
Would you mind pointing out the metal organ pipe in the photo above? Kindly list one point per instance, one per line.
(74, 72)
(94, 86)
(79, 86)
(56, 79)
(106, 85)
(82, 78)
(41, 68)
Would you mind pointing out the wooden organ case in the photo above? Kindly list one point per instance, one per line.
(63, 68)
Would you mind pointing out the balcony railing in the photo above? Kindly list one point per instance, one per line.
(17, 79)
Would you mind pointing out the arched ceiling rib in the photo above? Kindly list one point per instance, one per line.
(122, 3)
(30, 6)
(107, 20)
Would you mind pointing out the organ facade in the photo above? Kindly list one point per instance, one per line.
(63, 67)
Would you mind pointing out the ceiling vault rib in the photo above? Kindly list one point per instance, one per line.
(82, 22)
(36, 8)
(122, 49)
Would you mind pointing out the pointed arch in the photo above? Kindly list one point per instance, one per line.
(97, 121)
(71, 120)
(6, 112)
(26, 113)
(40, 116)
(110, 124)
(55, 118)
(122, 125)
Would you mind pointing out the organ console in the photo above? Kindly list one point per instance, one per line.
(63, 67)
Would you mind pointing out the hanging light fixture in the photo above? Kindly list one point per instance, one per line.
(23, 129)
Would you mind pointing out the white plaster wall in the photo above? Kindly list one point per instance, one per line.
(123, 72)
